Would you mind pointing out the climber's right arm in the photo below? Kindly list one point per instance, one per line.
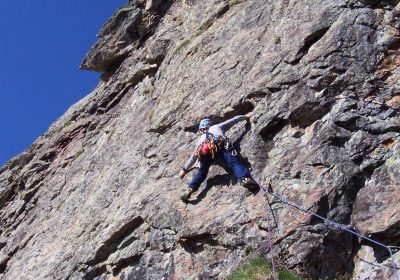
(193, 158)
(188, 165)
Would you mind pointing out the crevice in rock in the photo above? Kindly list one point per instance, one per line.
(273, 127)
(355, 184)
(126, 262)
(212, 182)
(309, 41)
(285, 237)
(128, 241)
(340, 245)
(329, 243)
(322, 210)
(394, 44)
(193, 128)
(389, 236)
(195, 243)
(257, 94)
(338, 141)
(308, 113)
(112, 243)
(161, 129)
(108, 101)
(152, 19)
(49, 156)
(161, 228)
(95, 272)
(8, 194)
(349, 123)
(274, 89)
(380, 4)
(350, 191)
(288, 84)
(148, 70)
(218, 14)
(117, 98)
(112, 68)
(3, 264)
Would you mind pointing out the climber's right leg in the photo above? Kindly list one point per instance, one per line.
(198, 177)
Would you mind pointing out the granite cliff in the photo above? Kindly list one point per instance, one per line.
(96, 197)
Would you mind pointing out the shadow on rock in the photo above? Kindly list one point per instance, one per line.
(236, 146)
(212, 182)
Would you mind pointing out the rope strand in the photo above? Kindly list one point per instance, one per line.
(270, 238)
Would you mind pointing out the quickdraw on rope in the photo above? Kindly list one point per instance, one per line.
(329, 222)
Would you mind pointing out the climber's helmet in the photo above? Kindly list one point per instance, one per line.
(204, 125)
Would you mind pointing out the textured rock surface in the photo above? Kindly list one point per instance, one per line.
(96, 197)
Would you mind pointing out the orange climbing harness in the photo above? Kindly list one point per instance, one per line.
(210, 146)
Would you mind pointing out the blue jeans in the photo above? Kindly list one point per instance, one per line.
(227, 158)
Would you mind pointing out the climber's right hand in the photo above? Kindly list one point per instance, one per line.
(182, 173)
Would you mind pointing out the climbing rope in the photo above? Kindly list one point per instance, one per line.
(270, 236)
(329, 222)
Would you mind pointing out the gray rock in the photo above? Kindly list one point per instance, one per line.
(97, 196)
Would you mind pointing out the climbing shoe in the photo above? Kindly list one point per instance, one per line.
(186, 195)
(249, 184)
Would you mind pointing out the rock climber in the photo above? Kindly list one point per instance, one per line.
(212, 145)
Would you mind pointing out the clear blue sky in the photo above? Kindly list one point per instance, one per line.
(42, 44)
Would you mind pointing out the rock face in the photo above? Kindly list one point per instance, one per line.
(96, 197)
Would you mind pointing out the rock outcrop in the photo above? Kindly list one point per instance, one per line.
(96, 197)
